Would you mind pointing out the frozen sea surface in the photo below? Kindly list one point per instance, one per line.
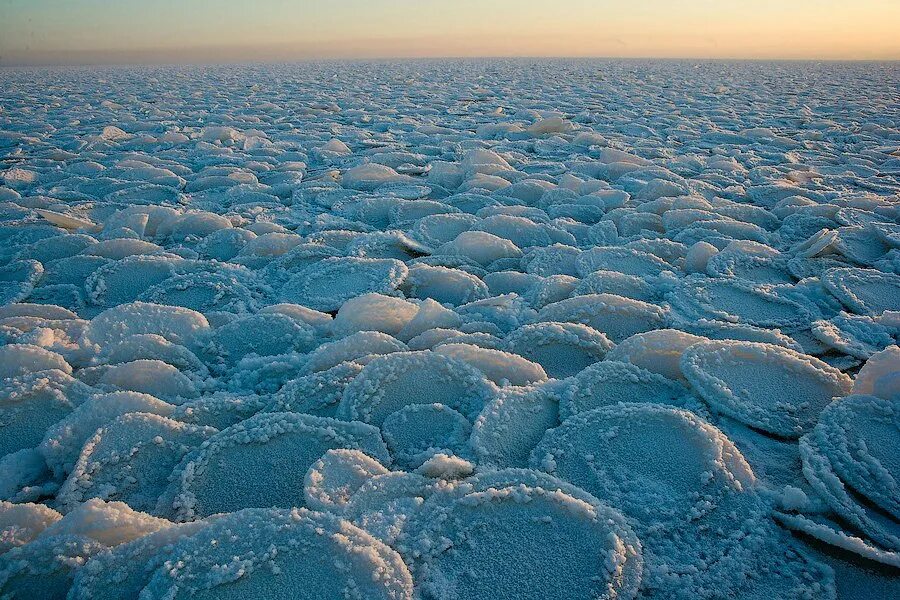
(451, 330)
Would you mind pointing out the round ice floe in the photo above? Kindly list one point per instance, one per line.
(658, 351)
(31, 403)
(521, 231)
(698, 257)
(684, 486)
(194, 225)
(316, 394)
(22, 359)
(384, 503)
(57, 247)
(880, 376)
(615, 316)
(418, 431)
(203, 292)
(443, 284)
(480, 247)
(574, 548)
(112, 326)
(21, 523)
(73, 270)
(18, 279)
(503, 368)
(768, 387)
(259, 335)
(260, 462)
(435, 230)
(612, 282)
(610, 382)
(129, 459)
(291, 553)
(513, 423)
(63, 441)
(327, 284)
(673, 478)
(864, 291)
(620, 260)
(334, 478)
(758, 269)
(737, 301)
(723, 330)
(125, 280)
(373, 312)
(562, 349)
(224, 244)
(353, 347)
(150, 377)
(391, 382)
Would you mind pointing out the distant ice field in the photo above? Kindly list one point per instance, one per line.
(446, 330)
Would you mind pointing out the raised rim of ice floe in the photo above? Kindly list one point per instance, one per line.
(281, 544)
(787, 417)
(365, 397)
(180, 498)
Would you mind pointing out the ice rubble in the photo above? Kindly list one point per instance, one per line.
(426, 330)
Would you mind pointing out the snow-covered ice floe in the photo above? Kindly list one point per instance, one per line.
(451, 329)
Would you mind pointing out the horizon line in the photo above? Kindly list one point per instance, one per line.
(152, 62)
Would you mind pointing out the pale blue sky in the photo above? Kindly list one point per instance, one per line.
(52, 31)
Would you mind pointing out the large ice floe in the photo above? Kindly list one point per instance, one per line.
(450, 330)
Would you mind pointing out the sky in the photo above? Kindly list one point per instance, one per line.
(127, 31)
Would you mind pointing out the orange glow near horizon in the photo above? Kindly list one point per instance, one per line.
(47, 31)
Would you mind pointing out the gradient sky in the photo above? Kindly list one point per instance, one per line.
(114, 31)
